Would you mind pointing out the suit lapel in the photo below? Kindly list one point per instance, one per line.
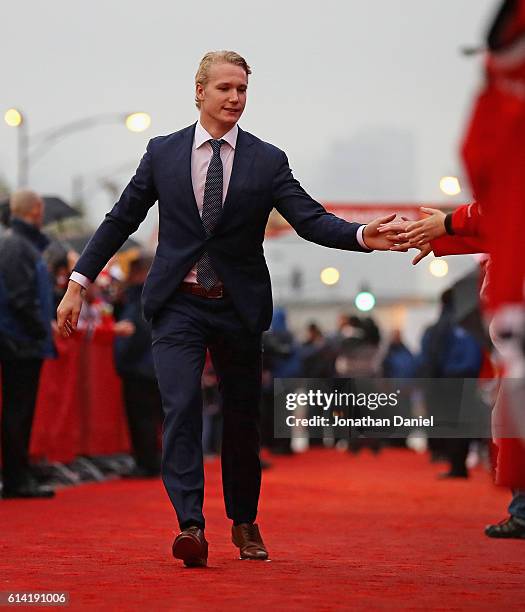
(182, 165)
(242, 161)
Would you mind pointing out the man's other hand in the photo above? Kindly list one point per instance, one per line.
(124, 328)
(399, 225)
(382, 241)
(68, 310)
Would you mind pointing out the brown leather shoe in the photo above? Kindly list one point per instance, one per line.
(247, 538)
(191, 546)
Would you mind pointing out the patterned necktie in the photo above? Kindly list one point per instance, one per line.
(211, 212)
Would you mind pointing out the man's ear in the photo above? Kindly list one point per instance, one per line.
(199, 91)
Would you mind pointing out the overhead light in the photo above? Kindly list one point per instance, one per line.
(138, 122)
(13, 117)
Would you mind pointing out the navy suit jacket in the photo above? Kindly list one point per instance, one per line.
(261, 179)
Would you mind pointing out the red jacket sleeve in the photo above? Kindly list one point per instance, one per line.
(457, 245)
(466, 220)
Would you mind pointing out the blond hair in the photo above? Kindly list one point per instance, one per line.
(217, 57)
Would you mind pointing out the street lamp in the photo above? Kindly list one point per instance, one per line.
(138, 122)
(365, 300)
(41, 143)
(14, 118)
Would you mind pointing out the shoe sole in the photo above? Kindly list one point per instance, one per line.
(241, 558)
(248, 558)
(191, 552)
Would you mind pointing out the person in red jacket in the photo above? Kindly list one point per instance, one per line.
(494, 158)
(457, 233)
(494, 155)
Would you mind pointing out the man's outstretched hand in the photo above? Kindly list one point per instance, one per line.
(68, 310)
(384, 240)
(423, 231)
(416, 234)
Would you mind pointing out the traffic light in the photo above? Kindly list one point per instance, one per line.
(365, 300)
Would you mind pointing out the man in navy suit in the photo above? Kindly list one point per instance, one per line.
(209, 287)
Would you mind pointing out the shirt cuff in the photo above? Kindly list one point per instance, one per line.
(360, 238)
(448, 224)
(80, 279)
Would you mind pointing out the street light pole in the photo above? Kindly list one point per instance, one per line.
(23, 158)
(15, 118)
(41, 143)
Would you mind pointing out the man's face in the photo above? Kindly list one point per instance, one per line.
(223, 98)
(37, 214)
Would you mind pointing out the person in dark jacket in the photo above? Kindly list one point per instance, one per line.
(134, 363)
(317, 356)
(448, 351)
(26, 310)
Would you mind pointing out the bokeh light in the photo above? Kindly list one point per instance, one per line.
(438, 267)
(13, 117)
(138, 122)
(365, 301)
(449, 185)
(330, 276)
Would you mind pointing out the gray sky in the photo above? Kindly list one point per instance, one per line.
(323, 72)
(368, 98)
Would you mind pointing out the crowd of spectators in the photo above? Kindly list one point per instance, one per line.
(354, 349)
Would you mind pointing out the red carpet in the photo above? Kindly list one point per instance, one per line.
(344, 532)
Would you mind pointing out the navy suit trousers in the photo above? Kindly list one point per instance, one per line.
(183, 330)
